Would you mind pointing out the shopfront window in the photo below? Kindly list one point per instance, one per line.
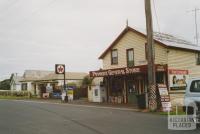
(130, 57)
(116, 86)
(160, 78)
(114, 57)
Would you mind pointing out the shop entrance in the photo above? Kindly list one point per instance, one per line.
(136, 90)
(132, 92)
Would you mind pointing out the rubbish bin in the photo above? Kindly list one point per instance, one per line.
(141, 101)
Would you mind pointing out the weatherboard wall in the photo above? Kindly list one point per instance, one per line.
(137, 42)
(183, 60)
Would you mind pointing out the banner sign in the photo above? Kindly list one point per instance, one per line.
(164, 98)
(59, 68)
(178, 78)
(125, 71)
(114, 72)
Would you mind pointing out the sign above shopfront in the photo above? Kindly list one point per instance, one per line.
(124, 71)
(111, 72)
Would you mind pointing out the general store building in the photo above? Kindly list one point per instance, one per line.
(124, 69)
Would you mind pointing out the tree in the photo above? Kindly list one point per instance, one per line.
(5, 84)
(87, 81)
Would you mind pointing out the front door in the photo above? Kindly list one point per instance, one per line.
(132, 92)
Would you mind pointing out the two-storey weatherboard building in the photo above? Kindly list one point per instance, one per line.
(124, 69)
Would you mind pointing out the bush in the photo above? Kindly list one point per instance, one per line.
(14, 93)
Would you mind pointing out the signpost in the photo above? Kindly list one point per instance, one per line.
(60, 69)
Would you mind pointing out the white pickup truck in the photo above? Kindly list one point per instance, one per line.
(192, 96)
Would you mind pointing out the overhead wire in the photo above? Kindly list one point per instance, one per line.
(157, 21)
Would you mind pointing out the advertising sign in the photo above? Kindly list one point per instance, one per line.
(178, 78)
(59, 68)
(164, 98)
(70, 93)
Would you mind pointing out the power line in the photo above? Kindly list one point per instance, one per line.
(156, 15)
(196, 25)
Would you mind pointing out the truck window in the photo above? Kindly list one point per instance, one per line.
(195, 86)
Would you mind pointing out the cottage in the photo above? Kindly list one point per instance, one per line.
(39, 82)
(15, 83)
(124, 70)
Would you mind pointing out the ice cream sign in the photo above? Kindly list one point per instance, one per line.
(178, 78)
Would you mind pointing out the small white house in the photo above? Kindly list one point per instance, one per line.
(15, 84)
(97, 92)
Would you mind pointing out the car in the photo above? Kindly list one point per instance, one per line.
(192, 97)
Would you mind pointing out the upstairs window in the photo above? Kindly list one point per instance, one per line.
(130, 57)
(146, 51)
(198, 59)
(114, 57)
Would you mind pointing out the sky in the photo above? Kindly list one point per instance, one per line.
(37, 34)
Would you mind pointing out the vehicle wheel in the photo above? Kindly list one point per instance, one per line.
(190, 110)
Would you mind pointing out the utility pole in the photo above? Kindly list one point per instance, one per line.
(151, 58)
(196, 25)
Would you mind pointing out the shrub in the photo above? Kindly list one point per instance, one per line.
(14, 93)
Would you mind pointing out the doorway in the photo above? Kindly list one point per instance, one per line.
(132, 92)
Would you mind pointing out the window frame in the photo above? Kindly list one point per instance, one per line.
(191, 89)
(24, 86)
(198, 58)
(127, 57)
(112, 61)
(146, 51)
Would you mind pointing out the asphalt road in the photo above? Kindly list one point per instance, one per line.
(18, 117)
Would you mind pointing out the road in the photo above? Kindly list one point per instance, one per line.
(21, 117)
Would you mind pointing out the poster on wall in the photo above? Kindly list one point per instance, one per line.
(178, 78)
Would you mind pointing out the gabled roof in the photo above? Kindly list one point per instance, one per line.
(165, 40)
(68, 76)
(15, 79)
(40, 75)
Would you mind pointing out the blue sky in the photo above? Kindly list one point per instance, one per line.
(36, 34)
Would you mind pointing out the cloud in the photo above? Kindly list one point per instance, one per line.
(37, 34)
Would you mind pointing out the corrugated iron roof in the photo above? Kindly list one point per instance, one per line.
(39, 75)
(166, 40)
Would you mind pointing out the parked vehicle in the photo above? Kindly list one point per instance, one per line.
(192, 97)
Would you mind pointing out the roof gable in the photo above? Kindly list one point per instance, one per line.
(161, 42)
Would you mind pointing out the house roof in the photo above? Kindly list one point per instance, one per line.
(68, 76)
(16, 79)
(165, 40)
(39, 75)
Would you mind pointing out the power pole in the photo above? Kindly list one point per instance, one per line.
(151, 58)
(196, 26)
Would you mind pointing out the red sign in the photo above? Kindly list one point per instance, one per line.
(60, 68)
(125, 71)
(175, 71)
(114, 72)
